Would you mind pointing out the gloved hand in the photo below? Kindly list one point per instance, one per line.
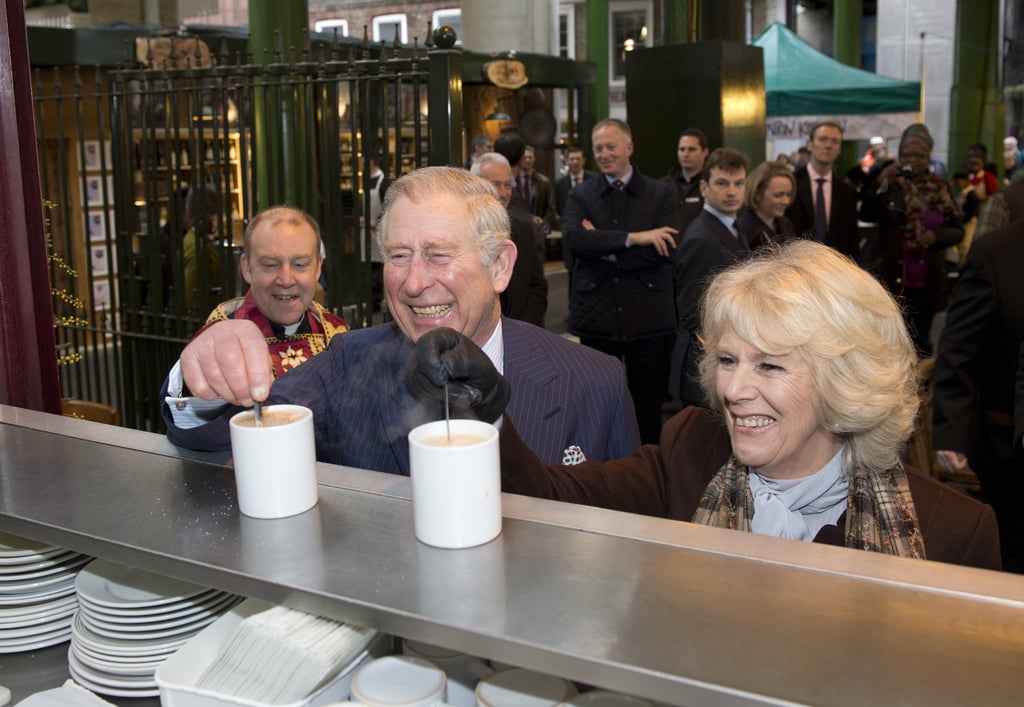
(475, 388)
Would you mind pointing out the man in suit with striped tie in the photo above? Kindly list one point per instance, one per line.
(447, 258)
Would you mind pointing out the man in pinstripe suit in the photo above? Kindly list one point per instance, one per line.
(447, 258)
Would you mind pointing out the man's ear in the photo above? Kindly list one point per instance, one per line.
(501, 268)
(243, 266)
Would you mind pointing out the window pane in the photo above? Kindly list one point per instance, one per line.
(452, 18)
(629, 30)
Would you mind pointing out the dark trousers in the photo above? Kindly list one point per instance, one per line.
(646, 374)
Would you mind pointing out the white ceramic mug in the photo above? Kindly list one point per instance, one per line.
(399, 681)
(456, 486)
(518, 687)
(464, 671)
(275, 463)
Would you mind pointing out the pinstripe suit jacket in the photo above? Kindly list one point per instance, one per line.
(562, 394)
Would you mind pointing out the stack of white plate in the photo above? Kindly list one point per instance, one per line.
(37, 593)
(130, 621)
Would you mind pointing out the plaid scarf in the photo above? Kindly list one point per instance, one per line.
(880, 514)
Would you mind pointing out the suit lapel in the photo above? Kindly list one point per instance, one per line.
(527, 368)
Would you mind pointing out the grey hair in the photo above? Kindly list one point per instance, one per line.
(488, 219)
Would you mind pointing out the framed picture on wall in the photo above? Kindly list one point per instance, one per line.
(95, 155)
(101, 295)
(99, 223)
(99, 260)
(98, 188)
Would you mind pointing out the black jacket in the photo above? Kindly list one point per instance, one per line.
(619, 293)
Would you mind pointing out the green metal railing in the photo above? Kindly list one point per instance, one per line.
(120, 150)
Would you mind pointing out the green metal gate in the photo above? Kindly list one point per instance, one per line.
(120, 151)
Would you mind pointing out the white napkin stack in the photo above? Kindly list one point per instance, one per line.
(281, 655)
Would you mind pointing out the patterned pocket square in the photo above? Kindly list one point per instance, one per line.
(573, 455)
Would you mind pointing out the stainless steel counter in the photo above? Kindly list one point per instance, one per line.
(679, 613)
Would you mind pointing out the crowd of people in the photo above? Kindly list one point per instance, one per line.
(746, 297)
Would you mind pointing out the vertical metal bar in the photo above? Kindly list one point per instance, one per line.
(445, 114)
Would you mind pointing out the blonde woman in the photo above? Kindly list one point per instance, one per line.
(810, 374)
(770, 190)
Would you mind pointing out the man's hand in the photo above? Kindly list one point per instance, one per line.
(660, 238)
(445, 357)
(950, 462)
(228, 360)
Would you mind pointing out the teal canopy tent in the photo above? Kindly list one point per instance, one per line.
(800, 80)
(803, 86)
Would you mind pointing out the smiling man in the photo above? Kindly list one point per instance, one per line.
(620, 231)
(710, 244)
(281, 261)
(447, 258)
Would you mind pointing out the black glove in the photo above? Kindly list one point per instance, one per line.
(475, 388)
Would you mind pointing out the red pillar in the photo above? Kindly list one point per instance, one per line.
(28, 356)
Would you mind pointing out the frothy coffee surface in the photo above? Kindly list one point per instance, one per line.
(270, 418)
(458, 439)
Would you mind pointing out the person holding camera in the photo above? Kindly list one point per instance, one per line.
(917, 219)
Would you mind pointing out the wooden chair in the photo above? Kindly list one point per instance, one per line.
(88, 410)
(920, 449)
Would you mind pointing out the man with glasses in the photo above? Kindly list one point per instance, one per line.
(526, 297)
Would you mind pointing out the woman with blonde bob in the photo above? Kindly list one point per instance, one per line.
(810, 374)
(770, 189)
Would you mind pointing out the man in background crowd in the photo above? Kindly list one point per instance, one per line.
(480, 144)
(685, 177)
(710, 244)
(526, 297)
(538, 192)
(825, 207)
(620, 229)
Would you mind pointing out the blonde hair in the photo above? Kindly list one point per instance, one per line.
(757, 182)
(806, 298)
(487, 217)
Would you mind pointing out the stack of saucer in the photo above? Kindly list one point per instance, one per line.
(129, 621)
(37, 593)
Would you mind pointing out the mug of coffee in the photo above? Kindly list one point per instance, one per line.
(398, 681)
(462, 670)
(519, 687)
(456, 483)
(275, 461)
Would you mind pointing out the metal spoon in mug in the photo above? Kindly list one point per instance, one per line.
(257, 413)
(447, 414)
